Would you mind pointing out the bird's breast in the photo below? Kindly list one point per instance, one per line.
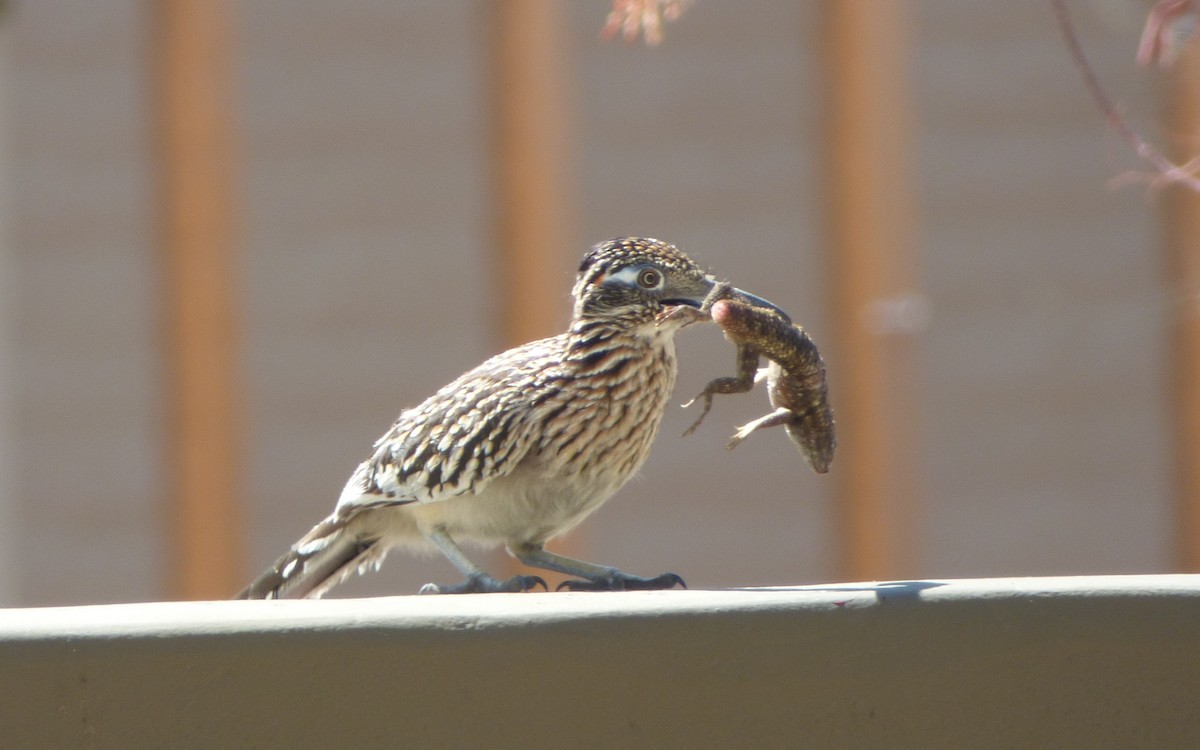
(604, 414)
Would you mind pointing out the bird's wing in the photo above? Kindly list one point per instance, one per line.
(472, 431)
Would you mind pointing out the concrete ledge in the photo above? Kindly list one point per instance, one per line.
(1088, 662)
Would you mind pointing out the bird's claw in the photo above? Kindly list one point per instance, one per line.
(485, 584)
(618, 581)
(531, 582)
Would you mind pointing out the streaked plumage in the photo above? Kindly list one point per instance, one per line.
(523, 447)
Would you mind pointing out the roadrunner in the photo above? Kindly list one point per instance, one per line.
(522, 448)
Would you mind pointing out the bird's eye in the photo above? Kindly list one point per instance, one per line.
(649, 278)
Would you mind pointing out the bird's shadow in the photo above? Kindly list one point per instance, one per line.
(885, 591)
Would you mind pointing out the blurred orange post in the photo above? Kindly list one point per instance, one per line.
(532, 205)
(530, 89)
(1182, 236)
(871, 236)
(194, 99)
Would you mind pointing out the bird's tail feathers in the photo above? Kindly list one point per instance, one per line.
(324, 557)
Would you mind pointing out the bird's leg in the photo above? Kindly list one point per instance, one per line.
(747, 367)
(593, 577)
(477, 580)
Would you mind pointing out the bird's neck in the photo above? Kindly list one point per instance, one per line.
(588, 335)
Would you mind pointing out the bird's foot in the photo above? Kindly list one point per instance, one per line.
(618, 581)
(482, 583)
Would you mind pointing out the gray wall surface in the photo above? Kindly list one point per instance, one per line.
(366, 280)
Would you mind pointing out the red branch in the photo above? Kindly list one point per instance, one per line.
(1167, 170)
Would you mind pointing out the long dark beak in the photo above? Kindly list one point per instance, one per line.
(702, 296)
(754, 299)
(718, 290)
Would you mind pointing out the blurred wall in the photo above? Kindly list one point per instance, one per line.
(87, 416)
(367, 281)
(10, 564)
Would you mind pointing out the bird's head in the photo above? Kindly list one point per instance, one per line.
(638, 282)
(633, 280)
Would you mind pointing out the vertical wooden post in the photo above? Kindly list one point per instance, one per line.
(871, 231)
(194, 93)
(1182, 239)
(532, 207)
(530, 154)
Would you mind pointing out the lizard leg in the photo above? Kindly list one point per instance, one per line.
(747, 369)
(774, 419)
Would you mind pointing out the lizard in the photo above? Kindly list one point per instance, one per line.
(795, 374)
